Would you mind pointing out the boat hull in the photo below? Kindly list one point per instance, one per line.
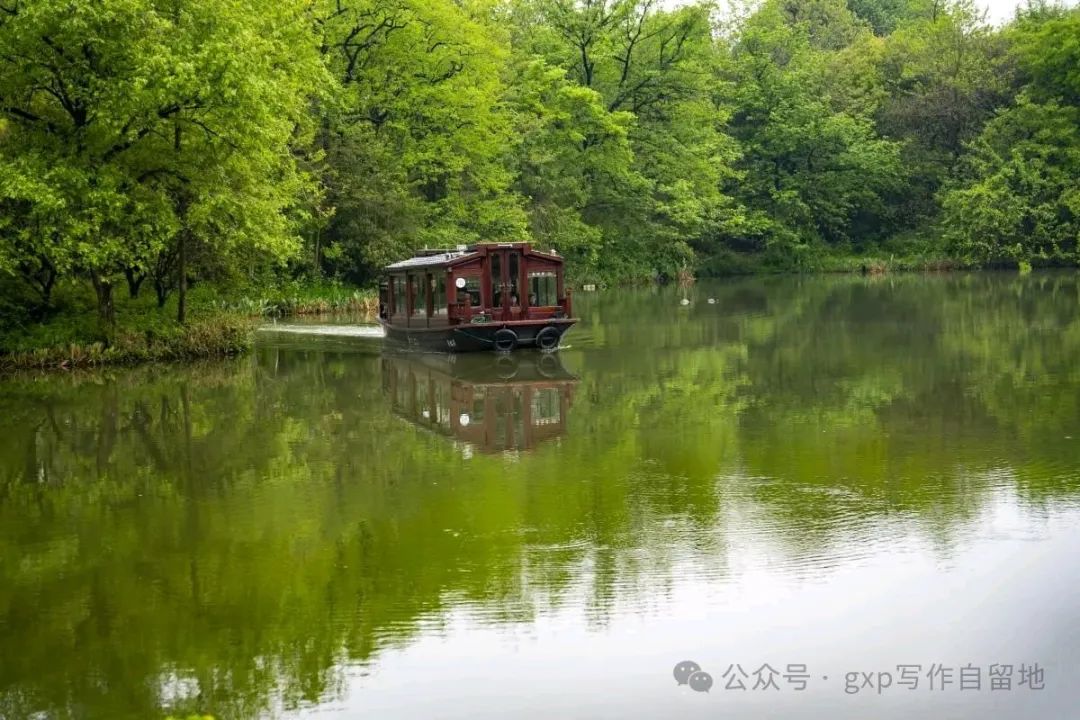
(480, 337)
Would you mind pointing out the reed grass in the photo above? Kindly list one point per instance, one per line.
(220, 324)
(214, 337)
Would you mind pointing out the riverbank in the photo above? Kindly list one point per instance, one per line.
(68, 334)
(732, 265)
(220, 336)
(222, 322)
(903, 258)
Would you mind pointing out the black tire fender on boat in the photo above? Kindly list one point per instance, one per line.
(504, 340)
(548, 338)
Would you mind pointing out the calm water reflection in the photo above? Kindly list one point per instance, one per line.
(845, 473)
(489, 403)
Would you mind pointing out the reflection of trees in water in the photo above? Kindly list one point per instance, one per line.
(255, 526)
(254, 529)
(909, 393)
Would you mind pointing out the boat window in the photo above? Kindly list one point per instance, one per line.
(515, 260)
(439, 285)
(472, 287)
(509, 420)
(496, 279)
(419, 298)
(407, 392)
(401, 387)
(399, 294)
(542, 289)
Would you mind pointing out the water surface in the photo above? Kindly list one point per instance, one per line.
(849, 474)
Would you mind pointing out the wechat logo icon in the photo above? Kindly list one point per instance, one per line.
(690, 673)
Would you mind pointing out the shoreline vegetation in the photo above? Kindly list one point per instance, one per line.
(223, 328)
(72, 338)
(171, 171)
(222, 324)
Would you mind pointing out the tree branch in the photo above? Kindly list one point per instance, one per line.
(162, 114)
(24, 115)
(210, 132)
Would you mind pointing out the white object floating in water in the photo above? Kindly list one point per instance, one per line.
(684, 301)
(712, 301)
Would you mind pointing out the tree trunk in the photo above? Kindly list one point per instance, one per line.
(134, 282)
(181, 239)
(181, 279)
(48, 279)
(103, 288)
(40, 274)
(162, 292)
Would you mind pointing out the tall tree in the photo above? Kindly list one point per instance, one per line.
(416, 139)
(1016, 198)
(657, 68)
(814, 167)
(136, 124)
(946, 73)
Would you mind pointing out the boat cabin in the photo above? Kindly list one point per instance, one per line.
(514, 290)
(503, 282)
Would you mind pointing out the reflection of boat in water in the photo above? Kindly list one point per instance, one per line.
(491, 403)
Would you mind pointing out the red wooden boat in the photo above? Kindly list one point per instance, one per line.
(492, 296)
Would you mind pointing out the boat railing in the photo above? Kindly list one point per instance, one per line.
(464, 312)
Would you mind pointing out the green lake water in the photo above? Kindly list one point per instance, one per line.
(844, 474)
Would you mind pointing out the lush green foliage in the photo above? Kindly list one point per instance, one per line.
(142, 132)
(222, 322)
(229, 141)
(223, 336)
(1017, 198)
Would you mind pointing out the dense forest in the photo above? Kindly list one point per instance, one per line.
(149, 144)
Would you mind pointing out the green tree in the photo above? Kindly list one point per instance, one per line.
(138, 125)
(946, 73)
(573, 165)
(416, 140)
(1017, 198)
(656, 69)
(814, 168)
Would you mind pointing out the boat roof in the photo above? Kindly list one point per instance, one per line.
(428, 260)
(444, 258)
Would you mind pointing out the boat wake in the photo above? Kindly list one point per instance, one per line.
(352, 331)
